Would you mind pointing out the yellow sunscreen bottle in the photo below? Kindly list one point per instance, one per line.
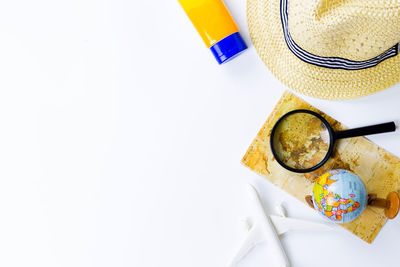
(216, 27)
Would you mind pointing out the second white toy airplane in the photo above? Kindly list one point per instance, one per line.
(268, 228)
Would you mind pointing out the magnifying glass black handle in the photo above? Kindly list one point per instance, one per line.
(373, 129)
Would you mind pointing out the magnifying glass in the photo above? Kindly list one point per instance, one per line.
(302, 140)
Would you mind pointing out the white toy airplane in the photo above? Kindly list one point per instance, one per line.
(268, 228)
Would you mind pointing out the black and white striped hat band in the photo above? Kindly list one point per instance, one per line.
(329, 62)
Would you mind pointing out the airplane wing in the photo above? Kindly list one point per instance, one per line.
(284, 224)
(268, 228)
(254, 237)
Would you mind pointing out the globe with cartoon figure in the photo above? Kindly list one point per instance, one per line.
(340, 196)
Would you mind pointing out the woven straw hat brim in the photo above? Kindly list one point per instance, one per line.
(266, 33)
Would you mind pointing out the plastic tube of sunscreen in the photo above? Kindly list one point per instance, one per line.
(216, 27)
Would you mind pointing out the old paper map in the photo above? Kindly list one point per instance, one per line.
(379, 169)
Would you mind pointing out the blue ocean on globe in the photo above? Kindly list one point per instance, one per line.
(339, 196)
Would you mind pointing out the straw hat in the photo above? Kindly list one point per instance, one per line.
(333, 49)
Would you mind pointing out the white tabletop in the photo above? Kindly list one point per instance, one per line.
(121, 140)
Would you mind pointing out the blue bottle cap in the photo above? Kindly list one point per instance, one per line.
(228, 48)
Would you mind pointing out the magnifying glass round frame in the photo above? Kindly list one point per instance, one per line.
(331, 139)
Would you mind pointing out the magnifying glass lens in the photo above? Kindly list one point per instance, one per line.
(301, 141)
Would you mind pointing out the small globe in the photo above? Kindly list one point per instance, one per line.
(340, 196)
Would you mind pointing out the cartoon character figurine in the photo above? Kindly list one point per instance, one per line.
(341, 197)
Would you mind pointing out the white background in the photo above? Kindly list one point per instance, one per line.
(121, 140)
